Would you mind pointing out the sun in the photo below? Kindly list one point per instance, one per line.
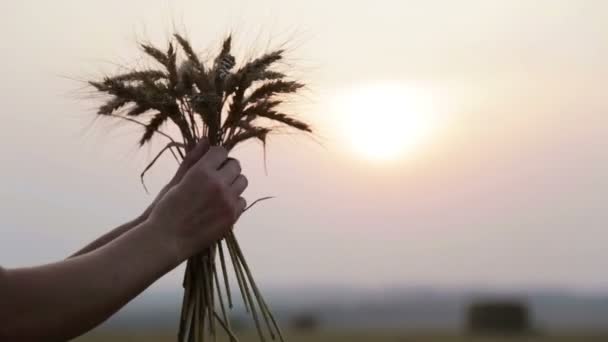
(385, 120)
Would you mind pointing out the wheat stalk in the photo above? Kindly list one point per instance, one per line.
(206, 100)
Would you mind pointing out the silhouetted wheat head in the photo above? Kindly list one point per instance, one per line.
(227, 105)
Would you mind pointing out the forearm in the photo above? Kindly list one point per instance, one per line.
(60, 301)
(109, 237)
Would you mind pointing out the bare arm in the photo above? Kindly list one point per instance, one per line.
(65, 299)
(59, 301)
(110, 236)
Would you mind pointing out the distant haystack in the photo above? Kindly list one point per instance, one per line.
(499, 317)
(305, 322)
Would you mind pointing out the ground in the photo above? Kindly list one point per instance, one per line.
(346, 337)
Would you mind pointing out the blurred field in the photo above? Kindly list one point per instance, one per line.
(347, 337)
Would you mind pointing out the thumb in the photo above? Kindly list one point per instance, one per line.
(191, 158)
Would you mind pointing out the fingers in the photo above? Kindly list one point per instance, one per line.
(215, 157)
(225, 172)
(241, 205)
(239, 185)
(230, 171)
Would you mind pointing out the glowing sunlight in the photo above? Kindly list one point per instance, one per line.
(384, 120)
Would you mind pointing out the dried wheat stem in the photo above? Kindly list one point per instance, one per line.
(239, 277)
(225, 273)
(182, 318)
(262, 303)
(208, 289)
(197, 315)
(185, 301)
(174, 156)
(189, 320)
(188, 117)
(247, 292)
(203, 301)
(259, 296)
(226, 327)
(272, 318)
(199, 303)
(167, 147)
(257, 201)
(193, 119)
(141, 124)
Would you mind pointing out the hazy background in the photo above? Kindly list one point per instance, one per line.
(508, 192)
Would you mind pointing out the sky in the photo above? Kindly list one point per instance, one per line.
(507, 189)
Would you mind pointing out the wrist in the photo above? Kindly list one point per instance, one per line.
(138, 220)
(144, 215)
(165, 243)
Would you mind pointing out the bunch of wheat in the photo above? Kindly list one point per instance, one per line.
(228, 106)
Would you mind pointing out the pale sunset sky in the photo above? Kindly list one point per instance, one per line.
(459, 143)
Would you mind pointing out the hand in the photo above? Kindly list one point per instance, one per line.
(190, 159)
(204, 205)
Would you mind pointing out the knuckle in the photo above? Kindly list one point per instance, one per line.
(218, 150)
(226, 196)
(210, 152)
(237, 165)
(229, 210)
(216, 186)
(243, 182)
(231, 168)
(200, 172)
(228, 202)
(206, 170)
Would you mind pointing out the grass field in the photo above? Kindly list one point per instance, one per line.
(348, 337)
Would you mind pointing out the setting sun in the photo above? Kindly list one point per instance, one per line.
(384, 121)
